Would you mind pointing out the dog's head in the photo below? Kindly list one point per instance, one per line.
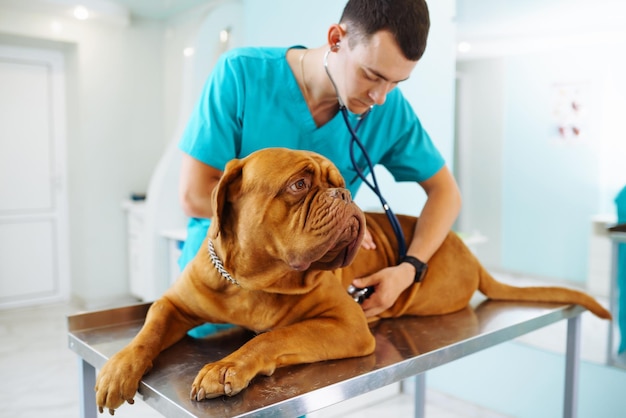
(284, 209)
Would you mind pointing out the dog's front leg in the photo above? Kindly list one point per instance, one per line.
(304, 342)
(119, 378)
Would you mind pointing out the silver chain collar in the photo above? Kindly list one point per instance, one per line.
(219, 266)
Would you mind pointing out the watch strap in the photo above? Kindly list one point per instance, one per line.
(420, 267)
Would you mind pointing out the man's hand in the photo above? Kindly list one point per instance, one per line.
(388, 284)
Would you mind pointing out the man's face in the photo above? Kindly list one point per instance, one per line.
(371, 70)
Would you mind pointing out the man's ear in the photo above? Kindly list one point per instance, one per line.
(226, 191)
(336, 32)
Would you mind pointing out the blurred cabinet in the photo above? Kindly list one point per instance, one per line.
(135, 230)
(599, 262)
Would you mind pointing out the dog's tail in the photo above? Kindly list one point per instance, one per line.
(493, 289)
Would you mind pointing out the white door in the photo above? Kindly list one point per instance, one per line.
(34, 261)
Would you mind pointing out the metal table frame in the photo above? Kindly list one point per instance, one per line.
(406, 347)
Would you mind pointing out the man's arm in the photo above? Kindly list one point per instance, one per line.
(439, 213)
(196, 184)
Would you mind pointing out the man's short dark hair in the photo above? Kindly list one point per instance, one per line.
(407, 20)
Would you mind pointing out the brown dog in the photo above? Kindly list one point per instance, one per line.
(283, 241)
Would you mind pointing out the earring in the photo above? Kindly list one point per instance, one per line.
(335, 47)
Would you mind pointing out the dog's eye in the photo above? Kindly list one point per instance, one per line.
(299, 185)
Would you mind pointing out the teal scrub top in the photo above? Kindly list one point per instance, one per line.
(252, 101)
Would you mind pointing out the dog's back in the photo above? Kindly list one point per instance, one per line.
(453, 275)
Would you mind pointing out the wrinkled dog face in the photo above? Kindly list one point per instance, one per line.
(292, 207)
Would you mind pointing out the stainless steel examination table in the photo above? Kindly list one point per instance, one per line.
(405, 347)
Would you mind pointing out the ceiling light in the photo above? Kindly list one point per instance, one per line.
(81, 12)
(56, 27)
(224, 35)
(464, 47)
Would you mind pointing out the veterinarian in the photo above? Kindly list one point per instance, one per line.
(290, 97)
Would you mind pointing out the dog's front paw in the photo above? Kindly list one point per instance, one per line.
(118, 381)
(221, 378)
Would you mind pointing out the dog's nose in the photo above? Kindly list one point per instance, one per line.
(339, 193)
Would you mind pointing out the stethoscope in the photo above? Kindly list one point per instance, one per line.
(373, 185)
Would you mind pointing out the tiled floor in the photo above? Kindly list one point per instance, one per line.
(39, 375)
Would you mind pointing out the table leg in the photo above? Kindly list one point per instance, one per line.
(87, 395)
(613, 303)
(420, 395)
(572, 360)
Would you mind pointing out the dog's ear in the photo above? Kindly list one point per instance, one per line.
(227, 189)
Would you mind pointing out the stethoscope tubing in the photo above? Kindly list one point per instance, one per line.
(373, 185)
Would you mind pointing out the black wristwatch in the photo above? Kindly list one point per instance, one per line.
(420, 267)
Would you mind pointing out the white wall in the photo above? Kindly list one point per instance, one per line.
(479, 153)
(530, 191)
(180, 78)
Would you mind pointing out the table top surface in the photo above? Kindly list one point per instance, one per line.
(404, 347)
